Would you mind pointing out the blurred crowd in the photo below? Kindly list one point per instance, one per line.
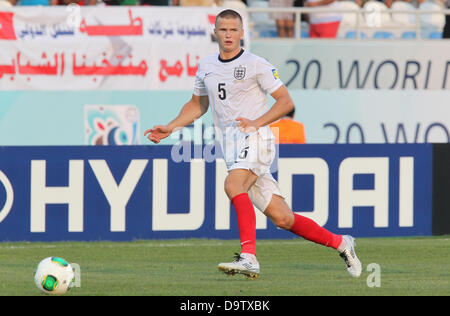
(326, 25)
(321, 25)
(243, 3)
(115, 2)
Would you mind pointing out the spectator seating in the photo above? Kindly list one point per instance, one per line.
(376, 14)
(350, 19)
(404, 19)
(261, 23)
(233, 4)
(432, 24)
(435, 20)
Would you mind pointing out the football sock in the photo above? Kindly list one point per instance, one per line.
(311, 231)
(246, 219)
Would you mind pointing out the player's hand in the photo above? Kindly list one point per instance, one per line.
(157, 133)
(246, 125)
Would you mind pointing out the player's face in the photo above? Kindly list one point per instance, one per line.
(229, 33)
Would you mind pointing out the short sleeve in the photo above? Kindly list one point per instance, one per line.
(267, 76)
(199, 85)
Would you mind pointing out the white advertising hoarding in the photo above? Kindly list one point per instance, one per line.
(373, 64)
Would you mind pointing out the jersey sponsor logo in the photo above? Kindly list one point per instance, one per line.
(239, 72)
(275, 74)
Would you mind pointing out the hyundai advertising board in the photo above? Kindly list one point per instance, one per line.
(61, 193)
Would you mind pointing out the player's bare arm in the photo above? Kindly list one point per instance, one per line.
(192, 110)
(282, 106)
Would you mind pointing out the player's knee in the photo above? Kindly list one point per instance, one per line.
(232, 188)
(280, 213)
(283, 221)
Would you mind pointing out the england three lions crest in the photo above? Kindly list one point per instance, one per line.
(239, 73)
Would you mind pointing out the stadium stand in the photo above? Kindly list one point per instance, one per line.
(196, 3)
(349, 19)
(401, 18)
(376, 14)
(261, 24)
(432, 24)
(446, 31)
(234, 4)
(435, 20)
(375, 20)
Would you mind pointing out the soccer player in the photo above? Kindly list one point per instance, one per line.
(234, 83)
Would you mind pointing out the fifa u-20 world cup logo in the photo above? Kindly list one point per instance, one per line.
(111, 125)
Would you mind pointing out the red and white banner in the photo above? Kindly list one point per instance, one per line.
(6, 26)
(108, 48)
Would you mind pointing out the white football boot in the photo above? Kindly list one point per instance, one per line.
(354, 266)
(244, 263)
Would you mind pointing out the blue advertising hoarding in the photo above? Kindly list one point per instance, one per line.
(57, 193)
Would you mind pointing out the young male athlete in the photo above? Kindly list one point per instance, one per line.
(235, 83)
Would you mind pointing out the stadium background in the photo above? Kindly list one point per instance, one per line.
(374, 101)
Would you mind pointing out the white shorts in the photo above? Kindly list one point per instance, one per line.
(262, 191)
(255, 152)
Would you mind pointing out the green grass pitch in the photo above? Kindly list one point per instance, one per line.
(408, 266)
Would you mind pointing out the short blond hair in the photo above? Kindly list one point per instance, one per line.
(228, 13)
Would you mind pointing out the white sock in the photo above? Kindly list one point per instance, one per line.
(342, 245)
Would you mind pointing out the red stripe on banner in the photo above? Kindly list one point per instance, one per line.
(212, 19)
(6, 26)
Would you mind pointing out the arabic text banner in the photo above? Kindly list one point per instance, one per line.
(140, 192)
(110, 48)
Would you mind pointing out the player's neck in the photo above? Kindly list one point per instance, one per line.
(229, 56)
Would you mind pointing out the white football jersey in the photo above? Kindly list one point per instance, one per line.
(236, 87)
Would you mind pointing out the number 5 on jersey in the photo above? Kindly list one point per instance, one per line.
(222, 91)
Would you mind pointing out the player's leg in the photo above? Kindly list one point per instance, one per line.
(237, 184)
(282, 216)
(239, 181)
(249, 159)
